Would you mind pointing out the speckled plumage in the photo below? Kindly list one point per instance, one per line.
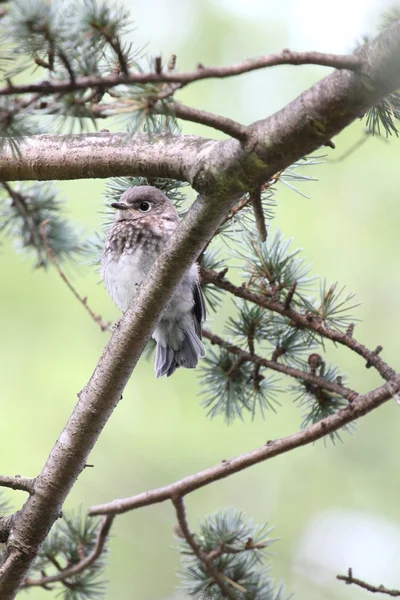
(133, 244)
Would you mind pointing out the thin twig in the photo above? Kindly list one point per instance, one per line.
(379, 589)
(303, 321)
(216, 575)
(115, 44)
(256, 201)
(244, 356)
(358, 408)
(286, 57)
(195, 115)
(82, 565)
(83, 300)
(22, 207)
(25, 484)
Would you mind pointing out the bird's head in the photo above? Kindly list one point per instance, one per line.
(142, 201)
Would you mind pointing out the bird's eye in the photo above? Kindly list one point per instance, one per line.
(144, 207)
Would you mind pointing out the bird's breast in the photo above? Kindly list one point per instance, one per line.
(126, 263)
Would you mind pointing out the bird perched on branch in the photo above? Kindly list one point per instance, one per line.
(144, 220)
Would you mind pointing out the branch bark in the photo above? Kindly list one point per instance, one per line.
(25, 484)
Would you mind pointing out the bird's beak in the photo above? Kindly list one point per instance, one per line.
(120, 205)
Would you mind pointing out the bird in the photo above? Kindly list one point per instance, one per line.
(144, 220)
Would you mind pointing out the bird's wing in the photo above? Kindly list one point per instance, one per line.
(199, 308)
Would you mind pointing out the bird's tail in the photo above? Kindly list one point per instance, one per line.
(187, 356)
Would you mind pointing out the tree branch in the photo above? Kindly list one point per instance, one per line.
(82, 565)
(226, 167)
(218, 122)
(47, 157)
(359, 407)
(380, 589)
(255, 199)
(244, 356)
(25, 484)
(83, 300)
(202, 556)
(304, 321)
(286, 57)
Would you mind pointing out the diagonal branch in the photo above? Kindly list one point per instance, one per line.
(286, 57)
(358, 408)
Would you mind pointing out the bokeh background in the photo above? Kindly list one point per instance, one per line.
(332, 507)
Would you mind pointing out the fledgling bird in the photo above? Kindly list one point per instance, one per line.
(144, 220)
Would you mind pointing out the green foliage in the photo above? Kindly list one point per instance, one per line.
(70, 540)
(271, 268)
(318, 403)
(232, 387)
(384, 115)
(333, 307)
(240, 550)
(30, 214)
(212, 259)
(68, 40)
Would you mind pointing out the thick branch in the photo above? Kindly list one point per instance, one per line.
(359, 407)
(286, 57)
(57, 157)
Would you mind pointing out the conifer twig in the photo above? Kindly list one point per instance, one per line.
(205, 558)
(244, 356)
(303, 321)
(82, 565)
(375, 589)
(83, 300)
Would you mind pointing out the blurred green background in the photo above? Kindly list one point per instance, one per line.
(332, 507)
